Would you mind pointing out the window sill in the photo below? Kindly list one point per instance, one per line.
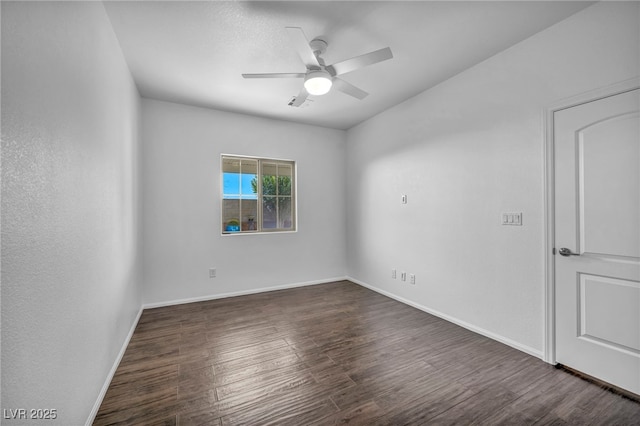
(226, 234)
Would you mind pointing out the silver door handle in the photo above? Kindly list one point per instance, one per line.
(567, 252)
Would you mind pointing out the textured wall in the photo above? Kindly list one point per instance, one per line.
(181, 204)
(464, 152)
(70, 284)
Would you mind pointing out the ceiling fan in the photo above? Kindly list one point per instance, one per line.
(319, 77)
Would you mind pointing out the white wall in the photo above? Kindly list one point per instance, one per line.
(70, 280)
(181, 204)
(464, 152)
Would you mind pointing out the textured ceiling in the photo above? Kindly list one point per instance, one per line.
(195, 52)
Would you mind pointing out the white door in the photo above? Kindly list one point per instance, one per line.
(597, 238)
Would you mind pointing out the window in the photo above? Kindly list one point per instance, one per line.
(258, 195)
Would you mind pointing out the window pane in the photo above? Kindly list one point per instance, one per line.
(231, 185)
(249, 179)
(285, 220)
(269, 213)
(230, 215)
(249, 214)
(230, 177)
(284, 179)
(269, 176)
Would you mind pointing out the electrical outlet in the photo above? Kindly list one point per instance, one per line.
(212, 272)
(403, 276)
(393, 274)
(412, 278)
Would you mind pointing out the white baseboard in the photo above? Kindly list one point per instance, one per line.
(239, 293)
(112, 372)
(516, 345)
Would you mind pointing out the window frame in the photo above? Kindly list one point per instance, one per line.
(259, 196)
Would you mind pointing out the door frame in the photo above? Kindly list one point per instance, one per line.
(549, 344)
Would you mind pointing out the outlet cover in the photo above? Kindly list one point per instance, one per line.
(212, 272)
(412, 278)
(393, 274)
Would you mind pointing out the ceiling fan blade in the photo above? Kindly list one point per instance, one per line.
(275, 75)
(299, 100)
(301, 45)
(353, 64)
(349, 89)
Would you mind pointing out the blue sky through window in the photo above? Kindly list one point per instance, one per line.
(235, 184)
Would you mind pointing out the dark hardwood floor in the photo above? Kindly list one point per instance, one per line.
(333, 354)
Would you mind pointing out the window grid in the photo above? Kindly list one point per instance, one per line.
(270, 207)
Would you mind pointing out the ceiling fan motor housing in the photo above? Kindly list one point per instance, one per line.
(318, 46)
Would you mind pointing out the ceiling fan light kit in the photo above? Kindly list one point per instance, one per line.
(317, 82)
(320, 78)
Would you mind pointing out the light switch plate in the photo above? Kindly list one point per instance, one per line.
(514, 219)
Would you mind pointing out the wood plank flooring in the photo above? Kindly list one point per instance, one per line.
(333, 354)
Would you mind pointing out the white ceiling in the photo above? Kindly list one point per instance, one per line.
(195, 52)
